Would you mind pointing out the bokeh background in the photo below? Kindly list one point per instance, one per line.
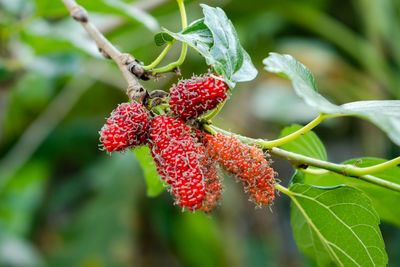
(63, 202)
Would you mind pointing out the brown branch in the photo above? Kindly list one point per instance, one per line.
(129, 66)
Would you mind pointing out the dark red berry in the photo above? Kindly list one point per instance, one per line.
(127, 127)
(192, 98)
(178, 160)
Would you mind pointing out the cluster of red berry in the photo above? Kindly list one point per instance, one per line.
(186, 158)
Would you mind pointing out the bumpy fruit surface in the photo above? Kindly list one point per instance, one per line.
(212, 180)
(247, 163)
(178, 158)
(127, 127)
(192, 98)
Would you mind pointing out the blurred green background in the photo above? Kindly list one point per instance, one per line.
(65, 203)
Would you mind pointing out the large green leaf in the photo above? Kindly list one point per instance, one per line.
(153, 181)
(336, 225)
(308, 144)
(215, 38)
(382, 198)
(385, 114)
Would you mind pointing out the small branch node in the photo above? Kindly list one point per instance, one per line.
(137, 93)
(135, 67)
(126, 59)
(177, 71)
(158, 94)
(104, 53)
(80, 14)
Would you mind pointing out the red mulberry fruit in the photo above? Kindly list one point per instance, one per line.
(212, 179)
(127, 127)
(247, 163)
(178, 160)
(192, 98)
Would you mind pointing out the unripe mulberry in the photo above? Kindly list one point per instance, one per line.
(247, 163)
(178, 160)
(192, 98)
(212, 179)
(127, 126)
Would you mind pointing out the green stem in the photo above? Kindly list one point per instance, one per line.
(281, 141)
(213, 113)
(175, 64)
(314, 171)
(182, 57)
(377, 168)
(346, 170)
(298, 159)
(283, 190)
(159, 58)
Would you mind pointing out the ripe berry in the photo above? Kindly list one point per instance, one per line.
(247, 163)
(178, 160)
(127, 127)
(192, 98)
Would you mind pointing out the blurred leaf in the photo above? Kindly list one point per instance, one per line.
(130, 11)
(33, 90)
(47, 8)
(153, 181)
(336, 225)
(385, 114)
(16, 251)
(382, 198)
(5, 74)
(266, 104)
(215, 38)
(45, 37)
(101, 231)
(21, 197)
(207, 250)
(57, 64)
(308, 144)
(18, 7)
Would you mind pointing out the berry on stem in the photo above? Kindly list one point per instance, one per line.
(247, 163)
(127, 127)
(212, 180)
(192, 98)
(178, 160)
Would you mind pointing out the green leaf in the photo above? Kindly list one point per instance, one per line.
(382, 198)
(385, 114)
(308, 144)
(154, 184)
(297, 178)
(302, 80)
(227, 55)
(336, 225)
(215, 38)
(162, 38)
(197, 35)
